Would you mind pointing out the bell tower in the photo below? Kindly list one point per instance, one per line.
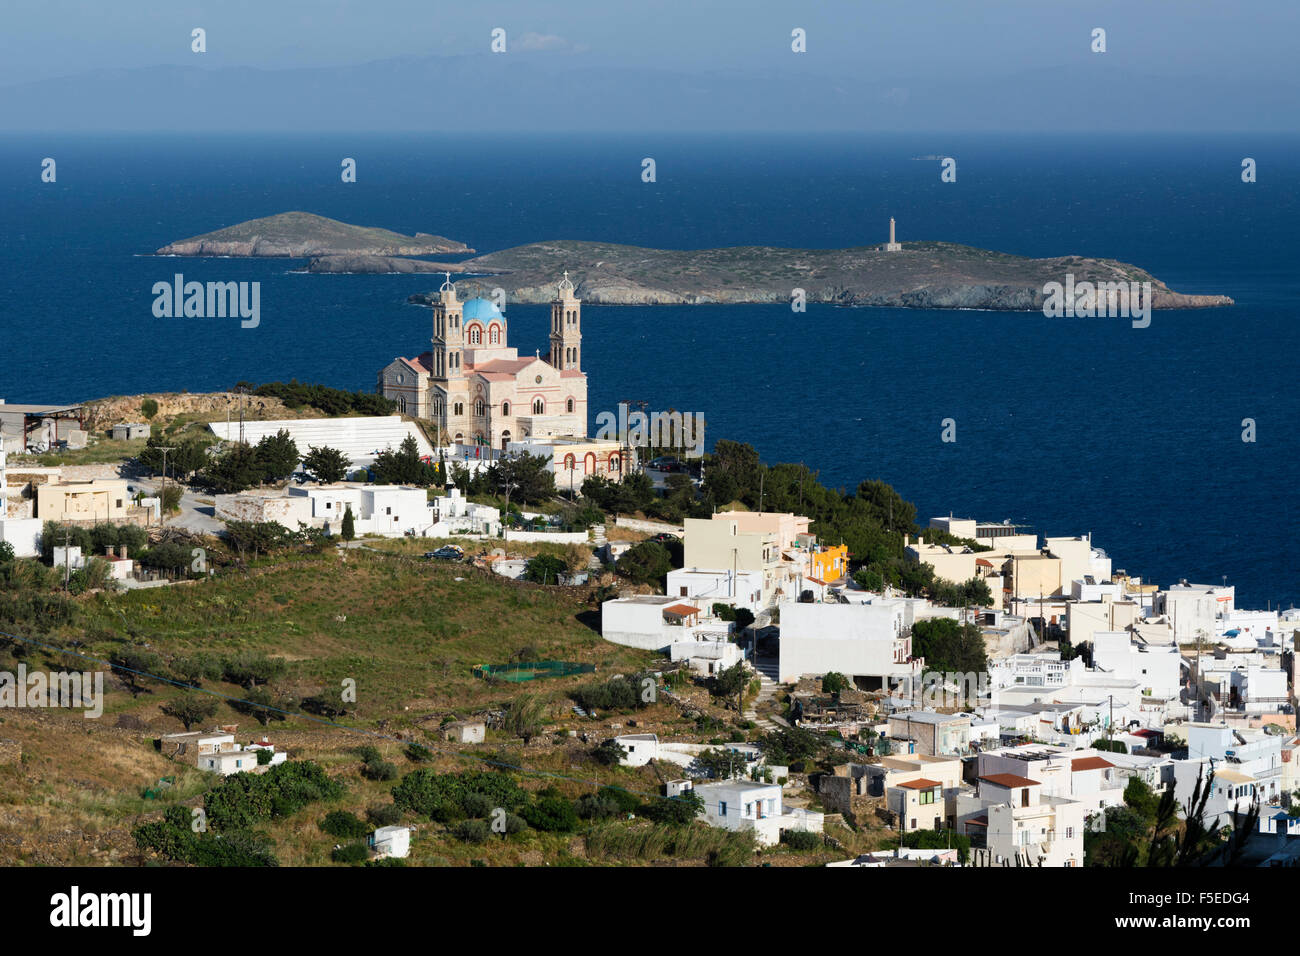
(448, 334)
(566, 327)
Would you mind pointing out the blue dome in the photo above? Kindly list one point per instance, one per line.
(481, 309)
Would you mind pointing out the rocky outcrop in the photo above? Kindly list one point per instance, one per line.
(298, 235)
(924, 275)
(376, 265)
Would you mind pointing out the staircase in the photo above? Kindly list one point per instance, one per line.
(768, 688)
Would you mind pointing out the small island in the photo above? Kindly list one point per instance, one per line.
(919, 275)
(299, 235)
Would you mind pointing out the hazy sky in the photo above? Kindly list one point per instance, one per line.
(853, 38)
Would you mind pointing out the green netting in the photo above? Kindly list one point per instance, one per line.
(532, 670)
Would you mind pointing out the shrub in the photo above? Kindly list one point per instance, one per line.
(341, 823)
(418, 753)
(800, 839)
(385, 815)
(551, 815)
(351, 853)
(472, 831)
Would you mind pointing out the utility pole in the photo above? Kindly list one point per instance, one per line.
(67, 572)
(162, 495)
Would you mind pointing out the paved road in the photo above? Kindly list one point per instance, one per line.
(194, 515)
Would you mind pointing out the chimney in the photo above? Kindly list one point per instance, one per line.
(121, 551)
(108, 550)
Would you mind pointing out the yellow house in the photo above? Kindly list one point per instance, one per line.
(830, 564)
(102, 499)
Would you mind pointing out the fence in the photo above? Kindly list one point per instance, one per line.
(531, 670)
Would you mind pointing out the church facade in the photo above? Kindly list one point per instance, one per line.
(477, 390)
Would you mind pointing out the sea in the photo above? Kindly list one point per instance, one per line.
(1067, 425)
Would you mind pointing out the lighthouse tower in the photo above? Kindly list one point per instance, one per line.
(892, 246)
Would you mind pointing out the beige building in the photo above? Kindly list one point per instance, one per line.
(1086, 618)
(723, 545)
(477, 390)
(1031, 575)
(786, 526)
(102, 499)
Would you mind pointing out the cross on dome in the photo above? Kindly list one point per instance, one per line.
(447, 286)
(565, 285)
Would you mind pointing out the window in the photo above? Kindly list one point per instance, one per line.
(1069, 833)
(927, 796)
(539, 406)
(722, 808)
(479, 408)
(568, 406)
(569, 462)
(460, 408)
(494, 334)
(475, 335)
(505, 408)
(749, 809)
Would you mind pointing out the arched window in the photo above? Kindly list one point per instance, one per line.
(505, 409)
(475, 335)
(494, 334)
(401, 405)
(539, 406)
(614, 463)
(568, 406)
(569, 462)
(479, 407)
(460, 437)
(589, 464)
(460, 408)
(505, 439)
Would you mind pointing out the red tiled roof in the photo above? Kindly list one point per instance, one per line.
(984, 562)
(921, 783)
(681, 609)
(1010, 780)
(1090, 763)
(977, 822)
(421, 363)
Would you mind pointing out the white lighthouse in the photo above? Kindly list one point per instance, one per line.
(892, 246)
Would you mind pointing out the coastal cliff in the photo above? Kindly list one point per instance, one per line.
(922, 275)
(302, 234)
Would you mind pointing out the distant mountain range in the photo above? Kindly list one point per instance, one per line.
(530, 92)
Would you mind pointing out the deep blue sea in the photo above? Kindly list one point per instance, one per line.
(1067, 425)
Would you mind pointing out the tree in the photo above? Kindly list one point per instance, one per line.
(237, 469)
(719, 763)
(190, 708)
(7, 552)
(148, 408)
(525, 716)
(744, 617)
(610, 753)
(524, 478)
(676, 811)
(134, 663)
(732, 683)
(545, 569)
(277, 455)
(327, 465)
(833, 682)
(646, 563)
(404, 466)
(949, 646)
(349, 529)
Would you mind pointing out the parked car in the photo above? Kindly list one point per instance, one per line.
(447, 552)
(665, 463)
(664, 538)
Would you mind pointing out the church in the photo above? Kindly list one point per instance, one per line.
(476, 390)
